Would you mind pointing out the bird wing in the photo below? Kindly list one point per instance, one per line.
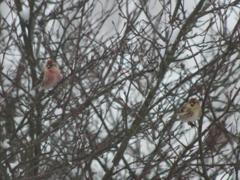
(182, 109)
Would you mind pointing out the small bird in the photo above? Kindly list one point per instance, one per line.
(50, 76)
(190, 111)
(217, 137)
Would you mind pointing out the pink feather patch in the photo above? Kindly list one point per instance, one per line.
(52, 77)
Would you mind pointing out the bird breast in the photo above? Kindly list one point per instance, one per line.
(193, 118)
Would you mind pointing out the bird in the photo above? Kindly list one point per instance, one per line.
(190, 111)
(49, 76)
(217, 137)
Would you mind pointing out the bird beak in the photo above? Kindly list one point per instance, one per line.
(49, 66)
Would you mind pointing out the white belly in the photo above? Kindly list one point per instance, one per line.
(192, 118)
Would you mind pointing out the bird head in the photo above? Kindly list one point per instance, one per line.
(50, 63)
(192, 102)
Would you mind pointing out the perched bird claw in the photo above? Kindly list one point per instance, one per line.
(191, 124)
(50, 91)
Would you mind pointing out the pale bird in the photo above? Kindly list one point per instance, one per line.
(217, 138)
(190, 111)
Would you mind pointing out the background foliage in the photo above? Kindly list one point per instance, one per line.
(127, 65)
